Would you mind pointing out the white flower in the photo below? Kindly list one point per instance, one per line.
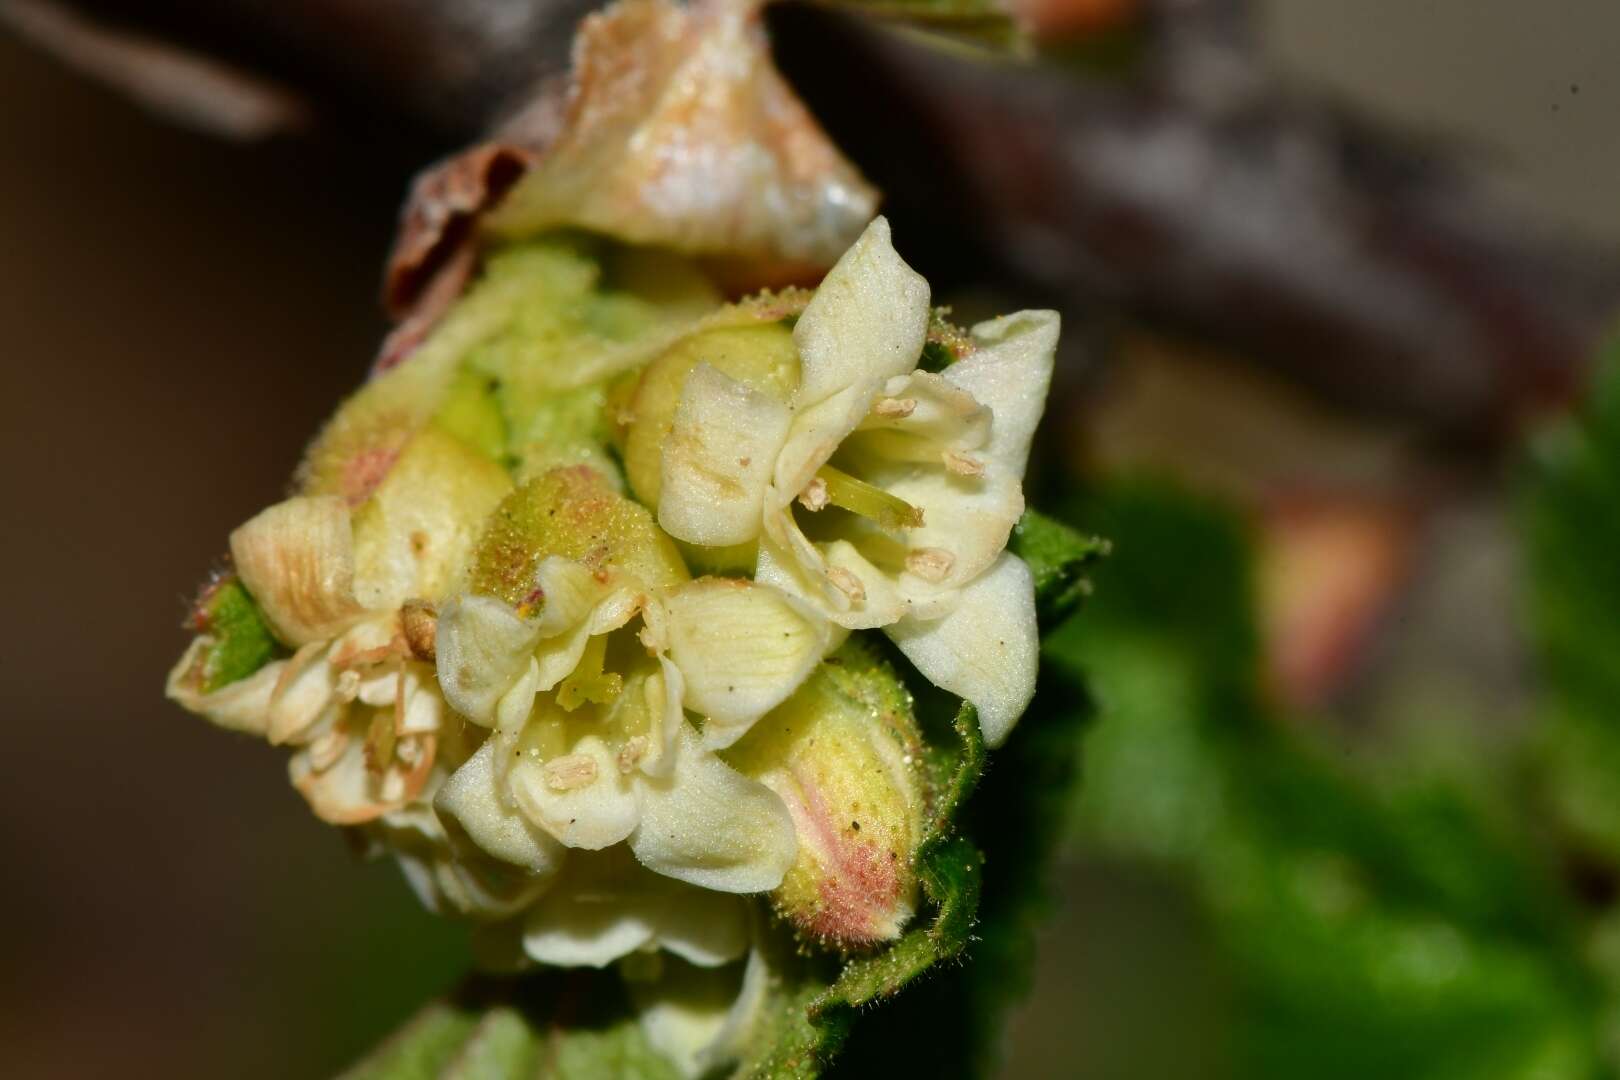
(587, 756)
(925, 471)
(356, 698)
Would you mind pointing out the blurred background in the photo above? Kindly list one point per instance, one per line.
(1346, 806)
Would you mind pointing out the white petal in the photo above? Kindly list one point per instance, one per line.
(591, 608)
(926, 413)
(867, 321)
(670, 686)
(970, 517)
(733, 1038)
(424, 707)
(308, 684)
(778, 568)
(594, 814)
(483, 648)
(709, 825)
(239, 706)
(347, 792)
(448, 881)
(568, 930)
(787, 560)
(512, 710)
(381, 688)
(556, 658)
(701, 926)
(683, 1011)
(605, 906)
(816, 433)
(718, 459)
(296, 558)
(866, 324)
(1010, 374)
(879, 604)
(471, 801)
(985, 650)
(570, 593)
(742, 649)
(701, 1019)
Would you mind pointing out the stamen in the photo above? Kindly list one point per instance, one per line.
(367, 657)
(325, 751)
(868, 500)
(631, 754)
(569, 772)
(962, 465)
(933, 565)
(399, 695)
(814, 495)
(420, 625)
(348, 685)
(380, 742)
(891, 408)
(847, 583)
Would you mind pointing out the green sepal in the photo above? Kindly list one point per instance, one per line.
(1057, 557)
(569, 1025)
(471, 411)
(242, 641)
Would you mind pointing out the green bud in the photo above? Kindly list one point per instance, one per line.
(845, 754)
(573, 513)
(471, 411)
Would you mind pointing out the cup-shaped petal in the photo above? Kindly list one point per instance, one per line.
(742, 649)
(708, 825)
(986, 648)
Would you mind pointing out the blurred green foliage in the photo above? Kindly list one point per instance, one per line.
(1571, 517)
(1375, 918)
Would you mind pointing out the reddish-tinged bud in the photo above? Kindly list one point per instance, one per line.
(845, 755)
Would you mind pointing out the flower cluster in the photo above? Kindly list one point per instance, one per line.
(571, 611)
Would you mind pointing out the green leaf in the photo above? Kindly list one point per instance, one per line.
(1381, 923)
(1058, 557)
(1572, 526)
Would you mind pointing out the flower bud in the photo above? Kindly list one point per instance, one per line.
(571, 513)
(845, 754)
(760, 355)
